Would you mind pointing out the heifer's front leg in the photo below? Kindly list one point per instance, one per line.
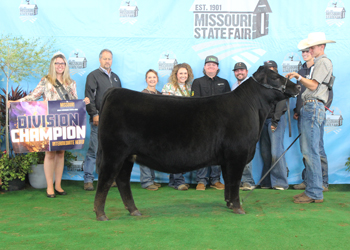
(123, 182)
(232, 182)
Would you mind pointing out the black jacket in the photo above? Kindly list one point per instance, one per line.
(277, 111)
(206, 86)
(97, 83)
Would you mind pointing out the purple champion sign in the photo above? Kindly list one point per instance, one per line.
(47, 126)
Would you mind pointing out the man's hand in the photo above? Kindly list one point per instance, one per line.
(293, 75)
(95, 120)
(273, 128)
(295, 116)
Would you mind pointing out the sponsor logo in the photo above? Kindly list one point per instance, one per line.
(335, 13)
(28, 11)
(77, 62)
(166, 63)
(291, 63)
(67, 105)
(128, 11)
(334, 120)
(230, 27)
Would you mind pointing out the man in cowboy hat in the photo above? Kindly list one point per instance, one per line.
(312, 115)
(305, 71)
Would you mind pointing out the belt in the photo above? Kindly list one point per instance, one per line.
(313, 100)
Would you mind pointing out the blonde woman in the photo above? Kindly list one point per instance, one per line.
(56, 85)
(179, 85)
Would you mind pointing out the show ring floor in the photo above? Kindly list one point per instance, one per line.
(173, 219)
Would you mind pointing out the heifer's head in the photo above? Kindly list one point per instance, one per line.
(272, 80)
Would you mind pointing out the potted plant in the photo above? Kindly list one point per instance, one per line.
(9, 178)
(13, 170)
(37, 175)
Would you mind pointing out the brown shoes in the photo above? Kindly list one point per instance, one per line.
(200, 187)
(303, 198)
(157, 184)
(300, 186)
(182, 187)
(218, 185)
(88, 186)
(152, 187)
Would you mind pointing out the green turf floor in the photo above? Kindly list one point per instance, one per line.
(173, 219)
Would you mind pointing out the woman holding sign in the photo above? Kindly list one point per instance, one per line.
(57, 85)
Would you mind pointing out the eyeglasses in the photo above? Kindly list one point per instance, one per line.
(305, 51)
(60, 64)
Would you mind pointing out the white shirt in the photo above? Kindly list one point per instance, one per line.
(235, 85)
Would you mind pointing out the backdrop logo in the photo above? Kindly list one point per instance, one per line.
(236, 19)
(77, 62)
(128, 11)
(28, 11)
(291, 63)
(166, 63)
(230, 28)
(334, 120)
(335, 13)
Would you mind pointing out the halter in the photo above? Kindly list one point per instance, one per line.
(281, 89)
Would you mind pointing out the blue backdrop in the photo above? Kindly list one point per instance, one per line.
(157, 34)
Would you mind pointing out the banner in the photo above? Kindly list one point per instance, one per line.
(47, 125)
(157, 35)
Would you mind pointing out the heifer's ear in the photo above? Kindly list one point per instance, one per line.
(259, 74)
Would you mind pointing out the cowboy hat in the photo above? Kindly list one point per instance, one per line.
(315, 38)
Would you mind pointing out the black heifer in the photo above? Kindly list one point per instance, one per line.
(174, 134)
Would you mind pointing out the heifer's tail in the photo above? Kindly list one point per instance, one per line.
(105, 96)
(99, 150)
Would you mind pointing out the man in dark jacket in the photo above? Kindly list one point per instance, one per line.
(208, 85)
(97, 83)
(271, 144)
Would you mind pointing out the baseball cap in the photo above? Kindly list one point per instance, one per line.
(213, 59)
(240, 65)
(271, 64)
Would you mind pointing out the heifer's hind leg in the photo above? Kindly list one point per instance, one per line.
(123, 182)
(232, 176)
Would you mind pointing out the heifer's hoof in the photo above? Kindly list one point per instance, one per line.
(238, 210)
(136, 213)
(102, 218)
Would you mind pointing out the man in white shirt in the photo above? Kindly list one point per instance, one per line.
(241, 73)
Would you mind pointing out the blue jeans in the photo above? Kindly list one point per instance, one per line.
(271, 148)
(176, 180)
(247, 175)
(312, 120)
(146, 176)
(324, 161)
(202, 175)
(90, 158)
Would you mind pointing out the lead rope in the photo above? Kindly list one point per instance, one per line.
(289, 119)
